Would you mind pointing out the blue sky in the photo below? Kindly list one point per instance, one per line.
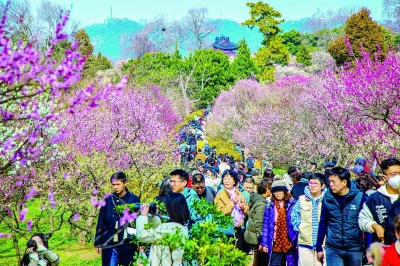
(96, 11)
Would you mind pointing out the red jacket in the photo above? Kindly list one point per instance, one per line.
(391, 257)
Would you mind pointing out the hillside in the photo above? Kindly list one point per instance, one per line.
(106, 37)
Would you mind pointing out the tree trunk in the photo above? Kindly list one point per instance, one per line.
(16, 247)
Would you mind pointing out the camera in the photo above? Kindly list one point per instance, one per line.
(31, 244)
(152, 207)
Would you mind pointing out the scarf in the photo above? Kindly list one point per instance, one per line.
(237, 214)
(282, 242)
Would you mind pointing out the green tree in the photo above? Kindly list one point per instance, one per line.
(292, 40)
(390, 37)
(152, 69)
(275, 53)
(360, 29)
(85, 46)
(207, 72)
(265, 18)
(243, 65)
(95, 64)
(303, 56)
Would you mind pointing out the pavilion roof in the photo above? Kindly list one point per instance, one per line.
(223, 43)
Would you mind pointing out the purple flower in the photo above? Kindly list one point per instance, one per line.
(76, 217)
(52, 200)
(22, 214)
(29, 224)
(31, 194)
(127, 217)
(57, 138)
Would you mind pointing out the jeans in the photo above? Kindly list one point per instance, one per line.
(278, 259)
(336, 257)
(114, 257)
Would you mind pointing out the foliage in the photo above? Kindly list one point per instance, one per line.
(207, 243)
(211, 73)
(243, 66)
(224, 146)
(94, 64)
(360, 30)
(303, 56)
(265, 18)
(85, 46)
(292, 40)
(275, 53)
(150, 70)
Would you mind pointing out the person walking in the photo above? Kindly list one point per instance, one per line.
(111, 238)
(374, 213)
(230, 201)
(305, 219)
(278, 238)
(253, 231)
(341, 206)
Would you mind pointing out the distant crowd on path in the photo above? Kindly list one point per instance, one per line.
(333, 217)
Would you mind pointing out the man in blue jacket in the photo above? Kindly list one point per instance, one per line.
(339, 221)
(111, 239)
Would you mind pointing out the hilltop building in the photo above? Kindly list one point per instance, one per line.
(225, 45)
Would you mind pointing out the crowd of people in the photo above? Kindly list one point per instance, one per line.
(328, 216)
(332, 217)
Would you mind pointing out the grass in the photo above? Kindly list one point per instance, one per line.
(278, 171)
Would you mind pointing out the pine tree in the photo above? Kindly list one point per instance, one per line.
(303, 56)
(266, 18)
(360, 29)
(275, 53)
(85, 46)
(244, 66)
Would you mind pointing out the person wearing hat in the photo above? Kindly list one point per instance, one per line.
(305, 219)
(278, 238)
(327, 167)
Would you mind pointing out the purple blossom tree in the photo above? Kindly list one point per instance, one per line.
(36, 91)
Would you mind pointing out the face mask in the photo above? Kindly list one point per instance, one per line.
(394, 181)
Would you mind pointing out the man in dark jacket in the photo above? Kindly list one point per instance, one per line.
(111, 238)
(199, 185)
(298, 189)
(339, 221)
